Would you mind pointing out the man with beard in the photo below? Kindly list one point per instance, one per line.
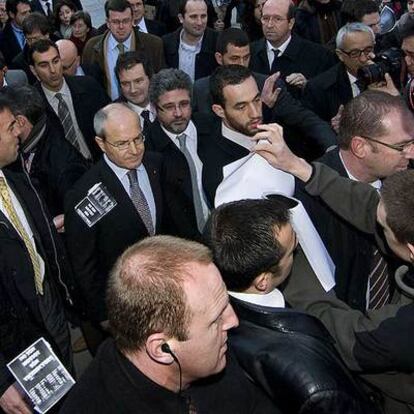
(175, 136)
(236, 100)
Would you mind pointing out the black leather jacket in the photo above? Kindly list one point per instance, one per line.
(291, 355)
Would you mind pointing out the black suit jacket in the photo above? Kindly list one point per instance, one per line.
(88, 97)
(9, 45)
(156, 28)
(93, 251)
(217, 152)
(328, 91)
(179, 217)
(205, 60)
(350, 249)
(21, 322)
(301, 56)
(36, 6)
(291, 356)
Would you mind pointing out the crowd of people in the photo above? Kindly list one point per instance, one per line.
(117, 147)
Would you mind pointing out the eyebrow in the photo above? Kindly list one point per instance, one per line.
(245, 102)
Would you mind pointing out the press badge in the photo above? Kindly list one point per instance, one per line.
(97, 204)
(41, 375)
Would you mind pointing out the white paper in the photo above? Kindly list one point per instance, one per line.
(252, 177)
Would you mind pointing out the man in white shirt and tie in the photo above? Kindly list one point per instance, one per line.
(128, 182)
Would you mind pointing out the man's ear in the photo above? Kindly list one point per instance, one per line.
(34, 72)
(261, 282)
(154, 345)
(100, 143)
(219, 58)
(180, 18)
(411, 249)
(218, 110)
(358, 147)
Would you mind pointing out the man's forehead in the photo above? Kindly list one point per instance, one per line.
(276, 7)
(115, 14)
(195, 6)
(243, 91)
(232, 49)
(358, 39)
(174, 96)
(50, 54)
(136, 70)
(408, 43)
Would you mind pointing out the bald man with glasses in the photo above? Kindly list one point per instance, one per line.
(126, 208)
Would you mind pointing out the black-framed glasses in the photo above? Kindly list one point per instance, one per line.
(398, 147)
(357, 53)
(124, 145)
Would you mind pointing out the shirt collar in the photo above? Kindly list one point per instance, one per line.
(139, 109)
(237, 137)
(273, 299)
(113, 43)
(196, 47)
(64, 90)
(282, 48)
(352, 78)
(376, 184)
(190, 132)
(119, 171)
(142, 26)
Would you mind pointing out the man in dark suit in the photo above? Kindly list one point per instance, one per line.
(143, 24)
(325, 93)
(46, 7)
(238, 103)
(191, 47)
(72, 65)
(74, 100)
(11, 77)
(176, 137)
(297, 59)
(134, 74)
(11, 38)
(33, 270)
(120, 38)
(354, 252)
(278, 346)
(52, 163)
(130, 181)
(307, 135)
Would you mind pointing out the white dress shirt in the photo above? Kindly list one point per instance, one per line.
(352, 80)
(187, 56)
(139, 109)
(281, 49)
(113, 53)
(144, 184)
(142, 26)
(236, 137)
(191, 144)
(273, 299)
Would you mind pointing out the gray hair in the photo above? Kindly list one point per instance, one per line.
(352, 28)
(103, 114)
(167, 80)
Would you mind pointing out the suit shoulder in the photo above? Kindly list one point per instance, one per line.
(90, 178)
(152, 159)
(149, 38)
(256, 46)
(325, 79)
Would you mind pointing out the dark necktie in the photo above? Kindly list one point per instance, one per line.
(121, 48)
(379, 286)
(147, 121)
(67, 121)
(48, 9)
(197, 197)
(273, 68)
(139, 201)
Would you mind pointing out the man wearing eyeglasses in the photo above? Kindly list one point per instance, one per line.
(375, 140)
(121, 37)
(326, 93)
(129, 180)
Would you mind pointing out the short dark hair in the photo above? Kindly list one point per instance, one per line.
(291, 11)
(243, 238)
(354, 10)
(116, 5)
(406, 26)
(146, 294)
(167, 80)
(41, 46)
(82, 15)
(364, 116)
(11, 5)
(231, 36)
(398, 199)
(128, 60)
(226, 75)
(36, 21)
(183, 3)
(59, 5)
(28, 102)
(6, 102)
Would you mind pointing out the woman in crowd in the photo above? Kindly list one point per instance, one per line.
(63, 12)
(251, 23)
(82, 29)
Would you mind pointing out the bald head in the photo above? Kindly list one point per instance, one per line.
(69, 55)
